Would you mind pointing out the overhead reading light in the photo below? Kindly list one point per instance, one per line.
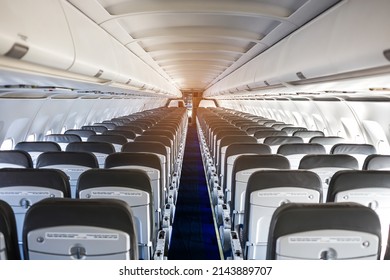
(379, 89)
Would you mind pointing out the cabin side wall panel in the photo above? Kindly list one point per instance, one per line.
(357, 122)
(20, 118)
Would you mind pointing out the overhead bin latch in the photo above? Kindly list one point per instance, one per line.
(17, 51)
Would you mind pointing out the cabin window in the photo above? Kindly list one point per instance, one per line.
(377, 136)
(63, 130)
(351, 130)
(31, 137)
(49, 132)
(7, 144)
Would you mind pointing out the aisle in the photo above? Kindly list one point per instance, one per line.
(193, 235)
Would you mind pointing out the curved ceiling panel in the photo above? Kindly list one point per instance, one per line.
(197, 43)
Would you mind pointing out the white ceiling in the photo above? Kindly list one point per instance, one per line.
(195, 43)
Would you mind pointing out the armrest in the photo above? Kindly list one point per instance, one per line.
(160, 253)
(237, 253)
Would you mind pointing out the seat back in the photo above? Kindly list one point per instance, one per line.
(166, 142)
(377, 162)
(154, 148)
(9, 249)
(62, 139)
(266, 191)
(290, 130)
(224, 144)
(334, 231)
(130, 135)
(15, 159)
(22, 188)
(327, 141)
(369, 188)
(295, 152)
(71, 163)
(80, 229)
(260, 135)
(116, 140)
(82, 133)
(244, 167)
(326, 166)
(36, 148)
(238, 149)
(306, 135)
(130, 186)
(100, 149)
(216, 140)
(359, 151)
(253, 129)
(136, 129)
(99, 129)
(281, 125)
(108, 125)
(275, 141)
(148, 162)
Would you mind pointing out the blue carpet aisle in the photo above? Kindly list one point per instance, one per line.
(193, 235)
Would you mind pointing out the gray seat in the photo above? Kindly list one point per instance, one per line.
(224, 143)
(80, 229)
(243, 168)
(15, 158)
(167, 133)
(377, 162)
(36, 148)
(166, 142)
(369, 188)
(233, 151)
(290, 130)
(82, 133)
(148, 162)
(327, 141)
(117, 140)
(154, 148)
(327, 165)
(130, 135)
(359, 151)
(308, 134)
(100, 149)
(295, 152)
(21, 188)
(218, 136)
(280, 126)
(99, 129)
(266, 191)
(108, 125)
(275, 141)
(253, 129)
(260, 135)
(334, 231)
(136, 129)
(9, 249)
(131, 186)
(62, 139)
(71, 163)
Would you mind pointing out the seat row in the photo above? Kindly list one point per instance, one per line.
(251, 184)
(144, 175)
